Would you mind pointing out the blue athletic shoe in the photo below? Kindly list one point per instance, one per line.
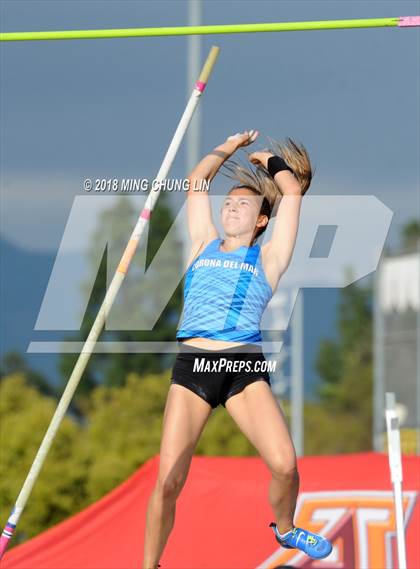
(312, 544)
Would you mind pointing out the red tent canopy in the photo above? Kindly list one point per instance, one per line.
(223, 514)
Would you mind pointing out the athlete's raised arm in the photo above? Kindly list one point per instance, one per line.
(292, 185)
(200, 222)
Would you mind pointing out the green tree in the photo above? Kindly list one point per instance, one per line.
(61, 486)
(14, 362)
(411, 236)
(123, 429)
(342, 422)
(222, 437)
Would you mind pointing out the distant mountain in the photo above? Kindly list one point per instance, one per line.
(24, 277)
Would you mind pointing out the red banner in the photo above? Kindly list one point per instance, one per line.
(223, 513)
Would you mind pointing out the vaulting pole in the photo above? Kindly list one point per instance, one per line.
(395, 467)
(111, 293)
(403, 21)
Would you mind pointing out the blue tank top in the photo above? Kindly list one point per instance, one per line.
(225, 295)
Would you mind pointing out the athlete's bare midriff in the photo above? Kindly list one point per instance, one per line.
(210, 344)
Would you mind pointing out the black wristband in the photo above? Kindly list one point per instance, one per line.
(277, 164)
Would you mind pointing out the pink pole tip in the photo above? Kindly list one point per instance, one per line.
(200, 86)
(405, 21)
(3, 544)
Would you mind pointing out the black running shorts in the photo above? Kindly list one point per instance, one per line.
(216, 375)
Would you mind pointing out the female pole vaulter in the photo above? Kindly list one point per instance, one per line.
(228, 284)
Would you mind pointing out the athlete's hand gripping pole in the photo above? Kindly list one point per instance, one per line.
(111, 293)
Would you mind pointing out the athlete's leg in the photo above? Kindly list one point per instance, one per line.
(261, 419)
(184, 418)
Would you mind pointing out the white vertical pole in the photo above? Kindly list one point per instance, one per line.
(418, 362)
(297, 397)
(394, 457)
(194, 58)
(193, 133)
(378, 363)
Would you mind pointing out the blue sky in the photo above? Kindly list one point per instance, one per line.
(108, 108)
